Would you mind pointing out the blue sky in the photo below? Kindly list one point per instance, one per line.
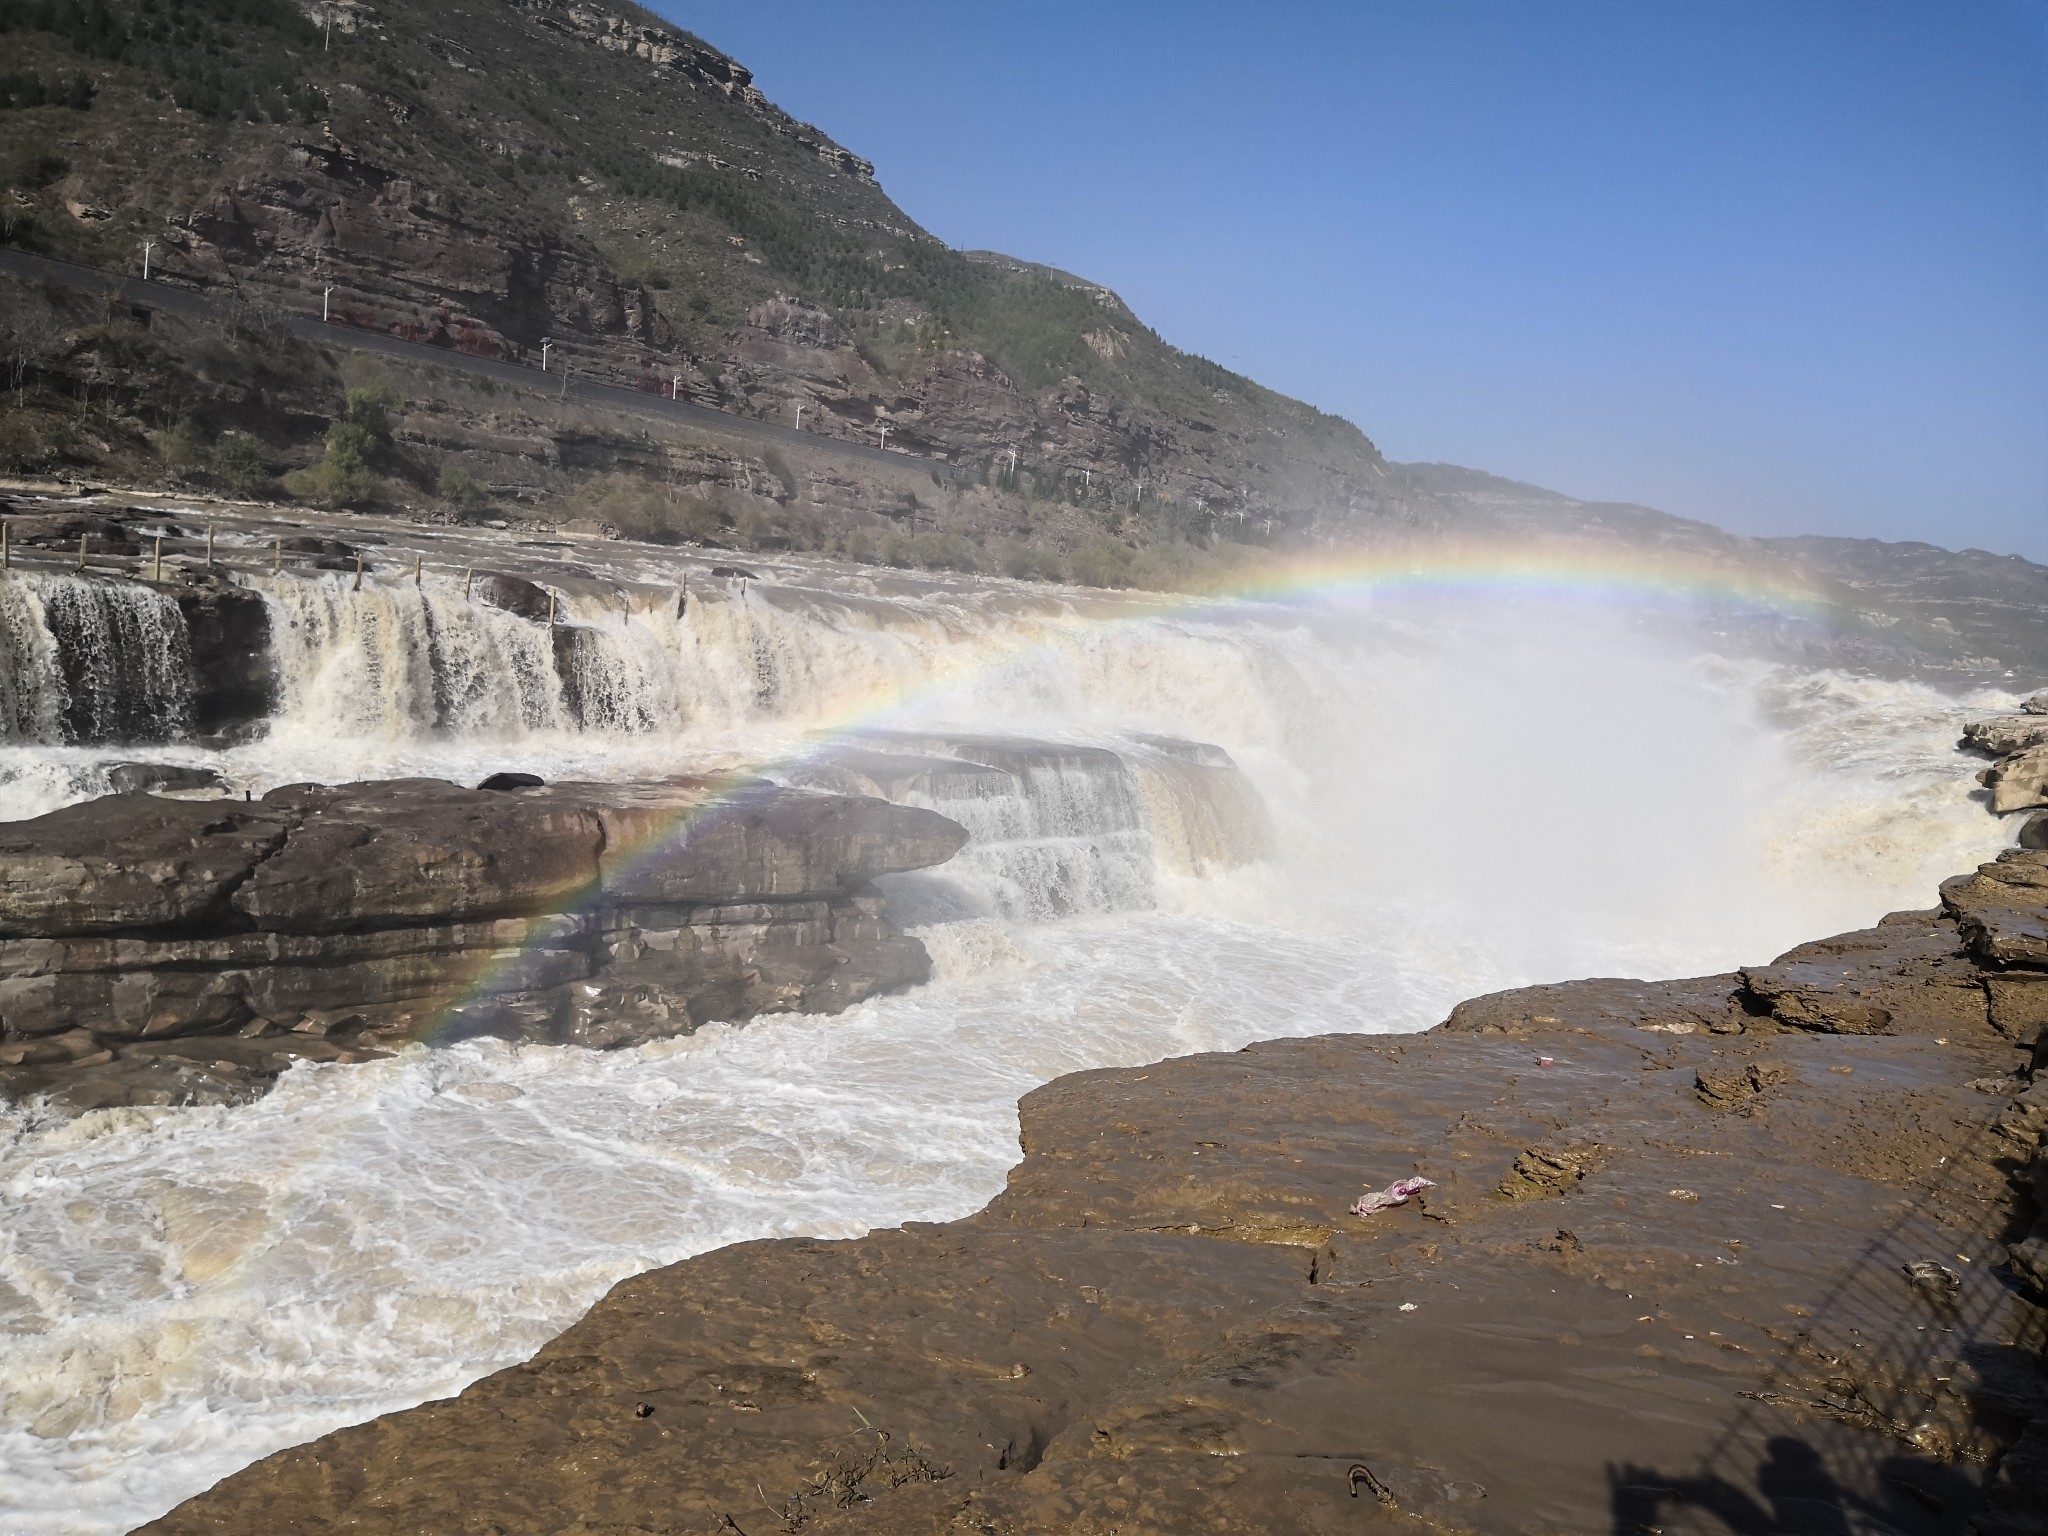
(1781, 265)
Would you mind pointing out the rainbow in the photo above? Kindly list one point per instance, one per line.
(1573, 574)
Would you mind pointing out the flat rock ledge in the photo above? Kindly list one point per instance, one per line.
(1757, 1253)
(161, 951)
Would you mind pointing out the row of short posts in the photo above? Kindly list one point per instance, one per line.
(156, 568)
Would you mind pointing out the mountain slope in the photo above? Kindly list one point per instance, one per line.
(494, 174)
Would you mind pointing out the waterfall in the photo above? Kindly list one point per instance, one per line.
(394, 662)
(1461, 798)
(88, 661)
(1055, 829)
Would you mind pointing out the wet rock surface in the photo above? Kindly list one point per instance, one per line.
(1701, 1256)
(2018, 780)
(160, 951)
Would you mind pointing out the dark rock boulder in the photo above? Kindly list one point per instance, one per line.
(2034, 834)
(63, 530)
(328, 554)
(513, 594)
(154, 778)
(234, 672)
(682, 841)
(508, 781)
(366, 914)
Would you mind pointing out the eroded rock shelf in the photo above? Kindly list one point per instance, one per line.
(154, 950)
(1737, 1253)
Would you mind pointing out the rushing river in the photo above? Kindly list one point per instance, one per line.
(1457, 796)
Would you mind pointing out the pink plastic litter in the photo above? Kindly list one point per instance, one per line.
(1400, 1192)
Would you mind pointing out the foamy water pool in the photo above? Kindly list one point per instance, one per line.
(1462, 805)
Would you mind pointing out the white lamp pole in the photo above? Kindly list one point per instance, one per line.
(545, 343)
(884, 429)
(675, 385)
(326, 303)
(147, 247)
(799, 415)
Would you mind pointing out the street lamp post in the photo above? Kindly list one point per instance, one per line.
(545, 343)
(884, 430)
(147, 247)
(326, 303)
(799, 415)
(675, 385)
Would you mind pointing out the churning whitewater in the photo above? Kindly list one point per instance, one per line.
(1438, 800)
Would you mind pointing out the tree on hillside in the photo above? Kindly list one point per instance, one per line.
(344, 476)
(33, 336)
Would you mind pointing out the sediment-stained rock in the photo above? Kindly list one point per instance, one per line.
(2002, 910)
(366, 915)
(1667, 1277)
(2019, 782)
(1911, 973)
(2001, 735)
(130, 862)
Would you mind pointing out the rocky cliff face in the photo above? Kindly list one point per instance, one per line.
(160, 951)
(1757, 1251)
(592, 176)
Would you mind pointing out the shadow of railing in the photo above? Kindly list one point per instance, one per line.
(1979, 1342)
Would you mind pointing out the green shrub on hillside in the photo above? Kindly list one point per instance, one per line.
(344, 476)
(222, 59)
(26, 88)
(655, 514)
(1030, 562)
(182, 445)
(1104, 563)
(369, 407)
(340, 479)
(237, 462)
(461, 489)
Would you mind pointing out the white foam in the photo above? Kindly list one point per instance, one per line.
(1460, 800)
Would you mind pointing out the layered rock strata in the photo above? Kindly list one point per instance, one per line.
(2018, 781)
(164, 951)
(1749, 1252)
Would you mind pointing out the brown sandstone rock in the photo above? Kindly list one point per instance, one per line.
(130, 862)
(2002, 910)
(1910, 974)
(2002, 735)
(2018, 782)
(1169, 1323)
(414, 851)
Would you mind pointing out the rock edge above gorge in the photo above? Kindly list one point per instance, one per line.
(165, 951)
(1733, 1246)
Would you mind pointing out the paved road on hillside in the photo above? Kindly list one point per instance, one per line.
(199, 306)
